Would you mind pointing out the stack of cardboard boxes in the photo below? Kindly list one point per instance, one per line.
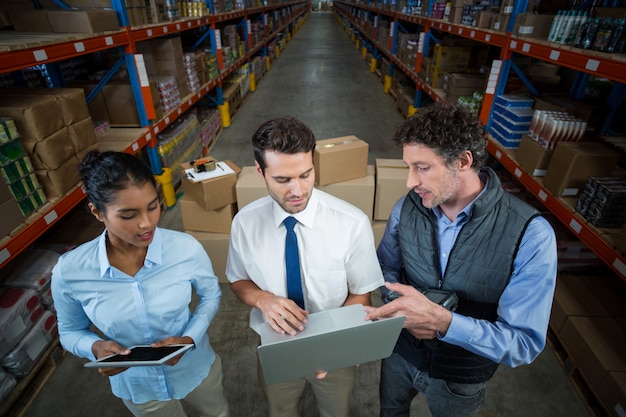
(55, 129)
(342, 170)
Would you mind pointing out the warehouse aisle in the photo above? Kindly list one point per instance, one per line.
(321, 79)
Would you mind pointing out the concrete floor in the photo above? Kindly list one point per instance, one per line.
(321, 79)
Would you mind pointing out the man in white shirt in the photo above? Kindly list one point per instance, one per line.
(337, 256)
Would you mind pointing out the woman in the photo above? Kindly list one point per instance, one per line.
(134, 284)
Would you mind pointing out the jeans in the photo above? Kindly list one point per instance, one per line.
(400, 382)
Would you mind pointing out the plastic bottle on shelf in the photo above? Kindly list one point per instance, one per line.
(590, 34)
(555, 25)
(616, 35)
(604, 34)
(581, 19)
(565, 27)
(446, 12)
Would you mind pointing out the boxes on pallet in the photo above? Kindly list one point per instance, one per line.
(391, 177)
(572, 163)
(610, 292)
(340, 159)
(212, 193)
(359, 191)
(216, 246)
(596, 344)
(611, 391)
(196, 218)
(572, 297)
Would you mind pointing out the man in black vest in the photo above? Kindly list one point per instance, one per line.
(489, 257)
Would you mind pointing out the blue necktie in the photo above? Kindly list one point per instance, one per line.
(292, 263)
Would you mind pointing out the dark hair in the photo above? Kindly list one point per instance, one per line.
(285, 135)
(105, 173)
(448, 130)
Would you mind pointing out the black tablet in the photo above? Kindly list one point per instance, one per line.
(142, 355)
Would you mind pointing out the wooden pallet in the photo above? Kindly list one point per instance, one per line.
(594, 406)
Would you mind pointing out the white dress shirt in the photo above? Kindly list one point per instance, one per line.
(336, 246)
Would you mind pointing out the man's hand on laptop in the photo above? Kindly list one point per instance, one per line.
(282, 314)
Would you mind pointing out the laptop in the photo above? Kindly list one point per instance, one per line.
(332, 339)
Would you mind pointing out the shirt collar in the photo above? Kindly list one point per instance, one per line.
(465, 213)
(154, 255)
(306, 216)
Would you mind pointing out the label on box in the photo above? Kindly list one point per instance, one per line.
(567, 192)
(220, 170)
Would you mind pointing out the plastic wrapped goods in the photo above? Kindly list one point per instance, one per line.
(33, 274)
(7, 383)
(17, 306)
(25, 354)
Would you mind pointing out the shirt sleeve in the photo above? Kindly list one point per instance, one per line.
(209, 295)
(388, 251)
(519, 333)
(362, 267)
(235, 268)
(73, 324)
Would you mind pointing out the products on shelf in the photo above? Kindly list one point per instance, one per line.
(23, 357)
(17, 306)
(550, 127)
(511, 118)
(168, 92)
(603, 202)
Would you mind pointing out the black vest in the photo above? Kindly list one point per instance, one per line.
(479, 268)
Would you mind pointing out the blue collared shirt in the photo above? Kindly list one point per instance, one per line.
(140, 310)
(519, 334)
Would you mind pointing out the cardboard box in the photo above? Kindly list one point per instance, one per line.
(51, 152)
(530, 25)
(82, 134)
(572, 163)
(596, 344)
(572, 297)
(213, 193)
(216, 246)
(359, 192)
(250, 187)
(391, 177)
(57, 182)
(610, 291)
(71, 100)
(532, 157)
(198, 219)
(36, 117)
(30, 21)
(11, 216)
(340, 159)
(611, 391)
(453, 80)
(120, 104)
(451, 58)
(83, 21)
(378, 227)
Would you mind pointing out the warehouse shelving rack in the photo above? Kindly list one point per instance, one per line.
(599, 64)
(58, 47)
